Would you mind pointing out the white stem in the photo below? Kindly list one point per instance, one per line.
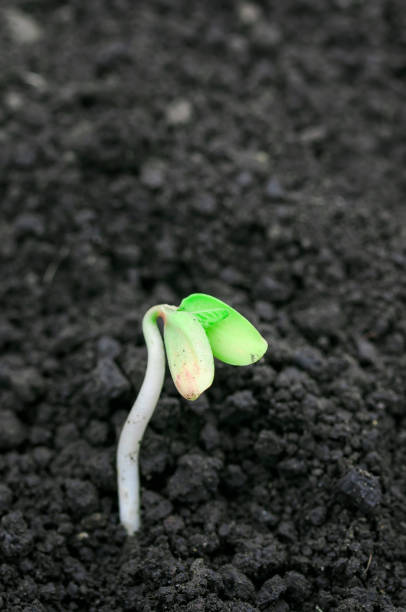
(137, 420)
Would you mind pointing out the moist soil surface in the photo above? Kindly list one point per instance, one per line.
(253, 151)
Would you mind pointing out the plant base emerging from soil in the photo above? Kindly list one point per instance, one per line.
(201, 328)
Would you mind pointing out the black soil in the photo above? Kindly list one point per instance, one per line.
(249, 150)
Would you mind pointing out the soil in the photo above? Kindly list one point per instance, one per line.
(253, 151)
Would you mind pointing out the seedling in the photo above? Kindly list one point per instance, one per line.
(201, 328)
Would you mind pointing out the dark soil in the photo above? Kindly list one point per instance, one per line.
(253, 151)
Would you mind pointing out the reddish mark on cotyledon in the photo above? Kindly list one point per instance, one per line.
(186, 381)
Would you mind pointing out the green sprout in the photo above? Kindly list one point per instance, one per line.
(201, 328)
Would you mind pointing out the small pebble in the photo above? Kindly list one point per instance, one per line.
(367, 353)
(249, 13)
(23, 28)
(179, 112)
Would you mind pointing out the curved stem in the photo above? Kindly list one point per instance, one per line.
(137, 420)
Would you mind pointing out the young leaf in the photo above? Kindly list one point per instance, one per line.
(189, 354)
(209, 317)
(233, 339)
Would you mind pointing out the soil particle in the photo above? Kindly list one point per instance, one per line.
(81, 497)
(291, 468)
(235, 584)
(196, 478)
(100, 468)
(27, 383)
(179, 112)
(239, 408)
(155, 455)
(360, 489)
(108, 347)
(271, 591)
(16, 538)
(106, 385)
(259, 556)
(153, 173)
(6, 497)
(324, 319)
(12, 430)
(273, 291)
(210, 437)
(298, 587)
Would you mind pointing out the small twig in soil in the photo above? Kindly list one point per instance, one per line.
(368, 564)
(52, 268)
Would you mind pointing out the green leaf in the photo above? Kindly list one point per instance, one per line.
(189, 354)
(209, 317)
(233, 339)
